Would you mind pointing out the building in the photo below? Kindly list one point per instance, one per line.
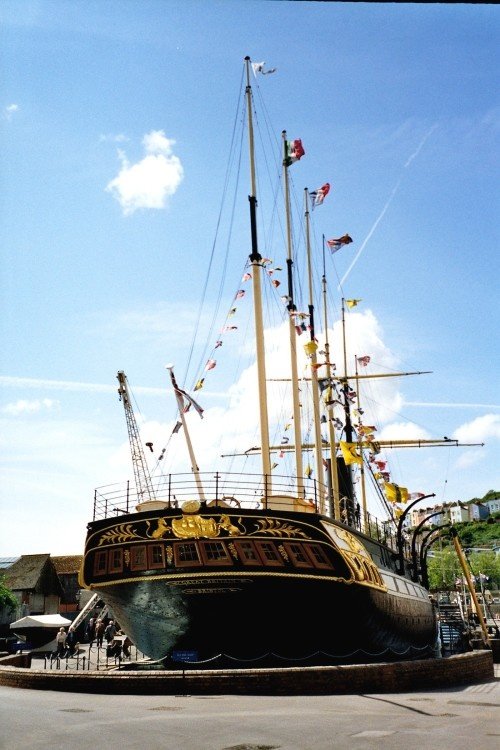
(34, 582)
(67, 567)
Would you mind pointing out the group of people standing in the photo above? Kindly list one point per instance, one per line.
(66, 642)
(98, 631)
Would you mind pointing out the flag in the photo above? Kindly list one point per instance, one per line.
(275, 283)
(318, 196)
(285, 440)
(246, 277)
(176, 429)
(190, 400)
(308, 472)
(232, 311)
(199, 384)
(239, 294)
(258, 67)
(217, 344)
(395, 494)
(352, 302)
(415, 495)
(364, 361)
(229, 328)
(366, 429)
(210, 364)
(349, 453)
(294, 151)
(338, 242)
(274, 466)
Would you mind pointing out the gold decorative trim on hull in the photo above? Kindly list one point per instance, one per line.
(196, 526)
(356, 556)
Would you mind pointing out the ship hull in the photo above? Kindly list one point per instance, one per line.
(254, 588)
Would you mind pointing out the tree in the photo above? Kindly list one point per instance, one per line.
(8, 601)
(443, 569)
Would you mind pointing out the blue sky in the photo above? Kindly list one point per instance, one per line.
(116, 121)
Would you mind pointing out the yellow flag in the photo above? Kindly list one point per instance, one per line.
(395, 494)
(350, 454)
(352, 302)
(310, 348)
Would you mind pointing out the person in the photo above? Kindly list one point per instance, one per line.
(61, 642)
(110, 632)
(99, 632)
(71, 642)
(126, 647)
(91, 630)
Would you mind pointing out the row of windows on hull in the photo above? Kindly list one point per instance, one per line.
(210, 553)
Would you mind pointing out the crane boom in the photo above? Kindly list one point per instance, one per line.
(142, 477)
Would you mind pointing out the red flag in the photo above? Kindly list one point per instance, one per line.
(318, 196)
(337, 242)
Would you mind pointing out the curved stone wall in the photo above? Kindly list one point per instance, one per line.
(395, 677)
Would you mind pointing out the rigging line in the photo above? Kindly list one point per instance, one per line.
(212, 253)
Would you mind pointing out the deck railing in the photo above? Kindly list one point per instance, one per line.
(247, 491)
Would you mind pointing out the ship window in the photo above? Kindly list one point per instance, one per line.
(318, 556)
(155, 556)
(186, 554)
(138, 558)
(116, 560)
(247, 553)
(297, 555)
(100, 563)
(215, 553)
(269, 554)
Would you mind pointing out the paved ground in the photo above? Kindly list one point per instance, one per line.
(454, 719)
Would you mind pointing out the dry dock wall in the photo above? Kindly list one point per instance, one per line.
(396, 677)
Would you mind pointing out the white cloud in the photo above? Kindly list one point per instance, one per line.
(480, 429)
(151, 181)
(113, 138)
(9, 111)
(23, 406)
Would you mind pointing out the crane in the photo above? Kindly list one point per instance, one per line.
(142, 477)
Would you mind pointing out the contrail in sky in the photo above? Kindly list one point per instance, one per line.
(73, 385)
(388, 203)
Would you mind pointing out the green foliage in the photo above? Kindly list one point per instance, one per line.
(7, 599)
(444, 567)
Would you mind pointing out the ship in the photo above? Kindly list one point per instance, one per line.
(212, 568)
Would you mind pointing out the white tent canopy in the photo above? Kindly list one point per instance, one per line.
(41, 621)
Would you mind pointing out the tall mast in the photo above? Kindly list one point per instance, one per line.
(180, 403)
(331, 428)
(362, 467)
(320, 474)
(292, 332)
(255, 260)
(347, 410)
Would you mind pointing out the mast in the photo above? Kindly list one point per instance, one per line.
(180, 403)
(331, 428)
(320, 474)
(142, 477)
(292, 332)
(347, 473)
(362, 466)
(255, 260)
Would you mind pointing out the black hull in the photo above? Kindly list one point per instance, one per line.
(249, 620)
(314, 591)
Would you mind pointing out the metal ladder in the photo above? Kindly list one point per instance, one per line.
(88, 608)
